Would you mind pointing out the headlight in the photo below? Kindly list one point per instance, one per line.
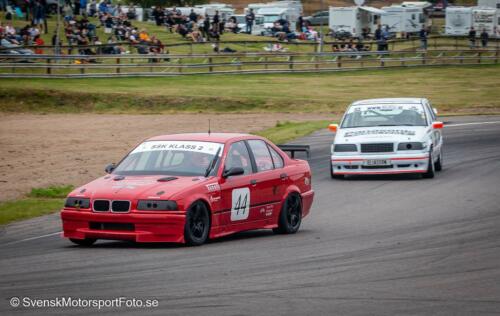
(156, 205)
(411, 146)
(74, 202)
(345, 148)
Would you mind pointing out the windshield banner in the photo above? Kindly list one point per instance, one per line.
(193, 146)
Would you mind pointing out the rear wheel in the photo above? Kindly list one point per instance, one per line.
(290, 215)
(430, 169)
(197, 224)
(83, 242)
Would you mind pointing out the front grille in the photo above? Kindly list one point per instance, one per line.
(101, 205)
(112, 226)
(120, 206)
(377, 148)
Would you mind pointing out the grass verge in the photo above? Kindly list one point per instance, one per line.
(40, 201)
(467, 89)
(287, 131)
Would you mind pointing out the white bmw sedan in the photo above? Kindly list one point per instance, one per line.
(387, 136)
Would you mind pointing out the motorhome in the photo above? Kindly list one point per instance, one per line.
(404, 18)
(292, 5)
(353, 20)
(484, 18)
(458, 21)
(258, 24)
(272, 14)
(489, 3)
(225, 10)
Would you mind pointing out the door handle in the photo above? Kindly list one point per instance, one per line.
(253, 182)
(283, 176)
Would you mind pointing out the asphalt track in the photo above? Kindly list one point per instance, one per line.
(392, 245)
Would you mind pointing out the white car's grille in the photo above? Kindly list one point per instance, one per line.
(377, 148)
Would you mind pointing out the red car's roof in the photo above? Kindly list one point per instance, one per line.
(212, 137)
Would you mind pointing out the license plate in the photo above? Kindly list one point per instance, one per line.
(377, 162)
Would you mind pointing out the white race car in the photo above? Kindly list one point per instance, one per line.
(387, 136)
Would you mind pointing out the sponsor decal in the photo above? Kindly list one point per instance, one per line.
(213, 187)
(380, 132)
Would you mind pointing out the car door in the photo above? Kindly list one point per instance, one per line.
(236, 192)
(268, 182)
(436, 133)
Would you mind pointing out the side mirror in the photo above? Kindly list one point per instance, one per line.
(333, 128)
(109, 168)
(235, 171)
(435, 111)
(437, 125)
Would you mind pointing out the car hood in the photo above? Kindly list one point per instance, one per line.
(381, 133)
(115, 187)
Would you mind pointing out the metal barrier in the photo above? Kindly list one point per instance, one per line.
(75, 66)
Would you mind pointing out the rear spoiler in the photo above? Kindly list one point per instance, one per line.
(295, 148)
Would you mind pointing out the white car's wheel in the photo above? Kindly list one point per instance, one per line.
(431, 171)
(438, 165)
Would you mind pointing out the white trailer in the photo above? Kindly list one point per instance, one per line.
(404, 18)
(258, 24)
(292, 5)
(225, 10)
(354, 19)
(489, 3)
(458, 21)
(485, 19)
(272, 14)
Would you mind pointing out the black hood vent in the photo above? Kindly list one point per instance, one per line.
(167, 179)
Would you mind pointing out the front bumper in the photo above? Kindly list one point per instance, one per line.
(138, 227)
(397, 163)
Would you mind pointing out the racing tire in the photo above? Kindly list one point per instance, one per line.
(438, 165)
(197, 224)
(290, 216)
(87, 242)
(333, 175)
(431, 171)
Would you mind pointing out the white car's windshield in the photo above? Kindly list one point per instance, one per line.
(178, 158)
(384, 115)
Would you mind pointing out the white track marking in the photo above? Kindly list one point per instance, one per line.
(28, 239)
(475, 123)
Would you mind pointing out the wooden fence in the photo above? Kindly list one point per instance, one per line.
(74, 66)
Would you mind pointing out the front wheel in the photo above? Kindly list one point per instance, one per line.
(290, 216)
(431, 171)
(333, 175)
(87, 242)
(438, 166)
(197, 224)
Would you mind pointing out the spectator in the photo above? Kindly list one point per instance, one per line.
(484, 38)
(216, 21)
(249, 19)
(423, 38)
(38, 14)
(472, 37)
(93, 8)
(76, 7)
(193, 16)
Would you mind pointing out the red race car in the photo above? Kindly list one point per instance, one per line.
(187, 188)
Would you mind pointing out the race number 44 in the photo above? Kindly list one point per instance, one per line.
(240, 204)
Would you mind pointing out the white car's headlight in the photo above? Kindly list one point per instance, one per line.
(411, 146)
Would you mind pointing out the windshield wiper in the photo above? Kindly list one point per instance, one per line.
(212, 163)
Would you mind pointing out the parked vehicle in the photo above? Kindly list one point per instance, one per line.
(458, 21)
(485, 18)
(489, 3)
(273, 14)
(258, 24)
(318, 18)
(354, 19)
(404, 18)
